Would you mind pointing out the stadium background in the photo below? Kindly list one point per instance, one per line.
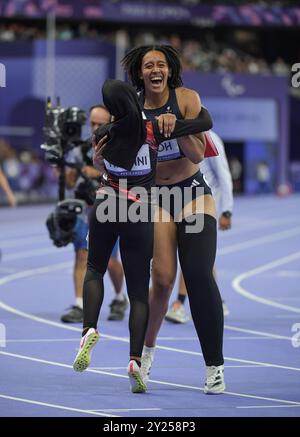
(239, 56)
(244, 59)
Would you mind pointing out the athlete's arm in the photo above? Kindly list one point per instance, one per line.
(71, 176)
(90, 172)
(7, 190)
(187, 126)
(98, 159)
(193, 146)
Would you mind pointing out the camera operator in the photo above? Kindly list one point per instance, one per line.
(99, 115)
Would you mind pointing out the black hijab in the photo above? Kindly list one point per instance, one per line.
(127, 133)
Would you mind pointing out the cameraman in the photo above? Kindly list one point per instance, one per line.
(99, 115)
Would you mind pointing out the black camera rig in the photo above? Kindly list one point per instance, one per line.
(62, 132)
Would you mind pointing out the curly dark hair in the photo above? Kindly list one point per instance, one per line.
(132, 63)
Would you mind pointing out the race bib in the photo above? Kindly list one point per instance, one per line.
(141, 166)
(168, 150)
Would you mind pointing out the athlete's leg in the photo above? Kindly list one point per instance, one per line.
(177, 312)
(75, 313)
(197, 256)
(79, 271)
(119, 303)
(164, 268)
(81, 254)
(182, 291)
(102, 238)
(136, 247)
(115, 270)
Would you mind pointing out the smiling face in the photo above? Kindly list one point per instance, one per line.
(155, 72)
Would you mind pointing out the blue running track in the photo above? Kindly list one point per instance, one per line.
(259, 277)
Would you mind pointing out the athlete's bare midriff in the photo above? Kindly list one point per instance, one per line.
(172, 172)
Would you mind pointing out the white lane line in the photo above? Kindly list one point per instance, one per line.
(250, 338)
(236, 283)
(289, 274)
(56, 406)
(53, 323)
(259, 333)
(261, 398)
(13, 236)
(108, 368)
(240, 226)
(172, 384)
(8, 270)
(32, 272)
(27, 273)
(41, 340)
(24, 240)
(35, 252)
(291, 299)
(269, 406)
(238, 360)
(178, 338)
(223, 251)
(127, 410)
(259, 241)
(244, 365)
(262, 336)
(125, 339)
(61, 266)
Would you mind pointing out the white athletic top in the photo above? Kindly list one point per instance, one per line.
(217, 175)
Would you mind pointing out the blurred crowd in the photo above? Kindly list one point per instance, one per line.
(29, 176)
(32, 7)
(276, 3)
(206, 53)
(206, 50)
(210, 55)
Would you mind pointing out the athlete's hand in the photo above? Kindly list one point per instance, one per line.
(98, 159)
(166, 124)
(90, 171)
(12, 200)
(224, 223)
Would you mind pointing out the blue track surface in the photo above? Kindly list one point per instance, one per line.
(259, 277)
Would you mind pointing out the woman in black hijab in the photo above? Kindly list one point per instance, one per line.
(123, 209)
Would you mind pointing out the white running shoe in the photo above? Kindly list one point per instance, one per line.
(215, 383)
(135, 377)
(225, 309)
(177, 313)
(146, 364)
(83, 357)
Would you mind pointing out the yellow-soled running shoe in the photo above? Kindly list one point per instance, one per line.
(135, 378)
(83, 358)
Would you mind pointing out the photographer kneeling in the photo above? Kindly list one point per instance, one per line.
(85, 190)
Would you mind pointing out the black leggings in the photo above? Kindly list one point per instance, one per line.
(136, 248)
(197, 257)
